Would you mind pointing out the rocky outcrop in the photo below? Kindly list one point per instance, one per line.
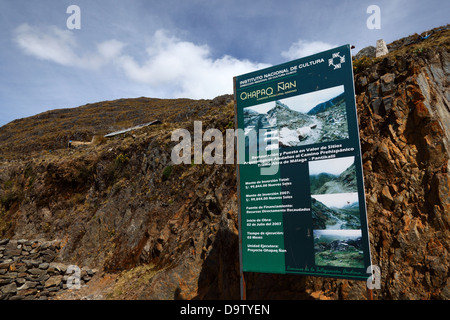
(181, 221)
(403, 112)
(368, 51)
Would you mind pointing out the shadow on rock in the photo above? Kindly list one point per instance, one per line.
(219, 278)
(262, 286)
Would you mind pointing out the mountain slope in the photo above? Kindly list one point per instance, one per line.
(325, 122)
(28, 135)
(163, 231)
(324, 106)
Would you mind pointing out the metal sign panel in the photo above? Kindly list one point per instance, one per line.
(301, 190)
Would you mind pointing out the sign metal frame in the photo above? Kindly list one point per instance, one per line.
(281, 226)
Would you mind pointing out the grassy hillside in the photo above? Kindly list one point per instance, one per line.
(25, 137)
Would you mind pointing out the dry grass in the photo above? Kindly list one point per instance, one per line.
(410, 46)
(52, 130)
(130, 282)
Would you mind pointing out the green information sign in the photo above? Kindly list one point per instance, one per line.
(301, 191)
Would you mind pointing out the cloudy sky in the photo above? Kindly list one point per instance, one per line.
(175, 48)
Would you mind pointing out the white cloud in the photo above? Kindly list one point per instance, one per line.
(55, 45)
(110, 49)
(178, 68)
(303, 48)
(187, 67)
(60, 46)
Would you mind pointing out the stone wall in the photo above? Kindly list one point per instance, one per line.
(28, 270)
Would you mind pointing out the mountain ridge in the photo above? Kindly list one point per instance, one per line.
(321, 107)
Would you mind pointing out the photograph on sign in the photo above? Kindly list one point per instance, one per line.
(338, 248)
(335, 211)
(336, 175)
(314, 117)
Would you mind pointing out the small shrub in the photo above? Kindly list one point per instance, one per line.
(419, 51)
(166, 172)
(77, 198)
(28, 171)
(115, 169)
(362, 63)
(11, 196)
(8, 184)
(230, 125)
(121, 159)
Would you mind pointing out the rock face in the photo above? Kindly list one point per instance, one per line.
(403, 114)
(165, 231)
